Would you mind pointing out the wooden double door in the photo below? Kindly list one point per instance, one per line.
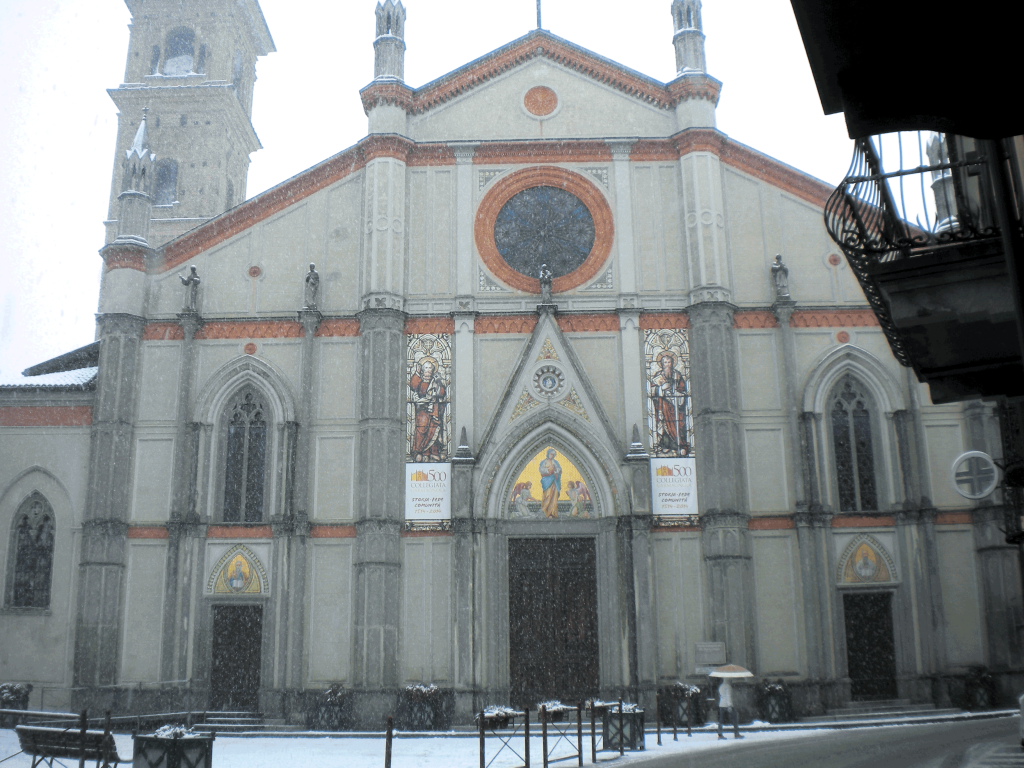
(236, 653)
(870, 645)
(553, 648)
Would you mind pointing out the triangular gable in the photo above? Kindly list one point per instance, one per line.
(548, 378)
(537, 43)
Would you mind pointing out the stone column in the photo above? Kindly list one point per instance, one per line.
(466, 272)
(633, 394)
(643, 629)
(624, 219)
(465, 652)
(182, 528)
(379, 511)
(999, 573)
(721, 480)
(98, 625)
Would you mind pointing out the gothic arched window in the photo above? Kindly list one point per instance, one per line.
(180, 52)
(850, 416)
(166, 187)
(31, 554)
(245, 461)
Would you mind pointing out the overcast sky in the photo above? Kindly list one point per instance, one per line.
(58, 126)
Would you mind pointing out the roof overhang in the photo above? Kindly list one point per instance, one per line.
(892, 65)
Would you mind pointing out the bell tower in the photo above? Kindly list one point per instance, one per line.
(192, 63)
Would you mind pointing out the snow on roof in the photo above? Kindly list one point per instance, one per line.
(79, 378)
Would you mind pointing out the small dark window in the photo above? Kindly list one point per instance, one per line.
(180, 52)
(236, 76)
(201, 63)
(229, 196)
(854, 453)
(31, 554)
(689, 18)
(245, 461)
(166, 190)
(154, 63)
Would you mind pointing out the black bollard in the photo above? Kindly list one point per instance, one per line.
(579, 732)
(675, 718)
(526, 733)
(483, 757)
(622, 733)
(657, 715)
(689, 715)
(84, 723)
(593, 731)
(544, 732)
(106, 735)
(387, 743)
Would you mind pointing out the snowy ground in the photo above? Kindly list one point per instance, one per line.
(408, 752)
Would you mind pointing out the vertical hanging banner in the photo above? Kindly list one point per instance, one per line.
(674, 487)
(428, 491)
(428, 427)
(670, 422)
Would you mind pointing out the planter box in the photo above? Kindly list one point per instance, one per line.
(420, 710)
(160, 752)
(630, 736)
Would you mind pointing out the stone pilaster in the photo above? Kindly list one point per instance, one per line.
(182, 547)
(98, 626)
(999, 572)
(465, 541)
(783, 311)
(466, 272)
(730, 588)
(379, 509)
(721, 480)
(643, 627)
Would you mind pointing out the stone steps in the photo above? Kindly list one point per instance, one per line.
(879, 710)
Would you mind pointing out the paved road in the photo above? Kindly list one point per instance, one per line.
(980, 744)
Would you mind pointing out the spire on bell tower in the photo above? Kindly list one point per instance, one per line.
(689, 36)
(135, 202)
(389, 45)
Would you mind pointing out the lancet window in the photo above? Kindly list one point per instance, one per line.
(180, 52)
(245, 459)
(32, 539)
(850, 416)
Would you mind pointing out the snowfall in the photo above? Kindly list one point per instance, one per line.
(460, 750)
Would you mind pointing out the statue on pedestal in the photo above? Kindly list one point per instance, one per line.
(545, 284)
(312, 288)
(780, 275)
(191, 284)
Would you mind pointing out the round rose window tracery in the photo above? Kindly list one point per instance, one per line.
(544, 225)
(544, 215)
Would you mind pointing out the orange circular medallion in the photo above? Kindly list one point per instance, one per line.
(540, 101)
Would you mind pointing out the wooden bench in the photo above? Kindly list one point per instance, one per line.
(45, 744)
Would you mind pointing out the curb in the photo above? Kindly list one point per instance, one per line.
(764, 727)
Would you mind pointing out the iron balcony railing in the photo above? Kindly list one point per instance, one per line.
(909, 194)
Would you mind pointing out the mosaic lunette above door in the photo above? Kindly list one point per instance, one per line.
(550, 486)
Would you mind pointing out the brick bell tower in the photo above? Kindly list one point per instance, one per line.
(193, 64)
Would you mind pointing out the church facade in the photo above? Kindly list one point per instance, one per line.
(544, 389)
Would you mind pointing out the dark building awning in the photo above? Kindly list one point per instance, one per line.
(895, 65)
